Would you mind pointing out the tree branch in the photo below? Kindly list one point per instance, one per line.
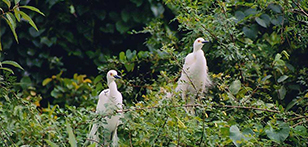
(199, 105)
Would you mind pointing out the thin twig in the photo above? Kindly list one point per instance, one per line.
(199, 105)
(8, 136)
(296, 118)
(130, 139)
(95, 141)
(305, 121)
(302, 10)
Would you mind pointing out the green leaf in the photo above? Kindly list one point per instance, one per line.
(250, 32)
(12, 25)
(92, 145)
(13, 63)
(72, 9)
(137, 2)
(125, 15)
(28, 18)
(122, 57)
(261, 22)
(267, 19)
(71, 136)
(122, 27)
(235, 86)
(282, 78)
(33, 9)
(280, 134)
(282, 92)
(17, 1)
(300, 130)
(250, 11)
(46, 81)
(8, 3)
(291, 104)
(238, 137)
(276, 8)
(7, 69)
(17, 14)
(266, 78)
(0, 45)
(239, 15)
(129, 66)
(52, 144)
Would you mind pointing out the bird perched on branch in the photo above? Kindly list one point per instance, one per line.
(194, 78)
(110, 101)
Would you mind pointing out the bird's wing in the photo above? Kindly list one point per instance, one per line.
(103, 99)
(189, 60)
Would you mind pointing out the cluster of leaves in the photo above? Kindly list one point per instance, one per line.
(73, 31)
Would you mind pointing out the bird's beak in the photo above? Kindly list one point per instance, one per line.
(117, 77)
(205, 41)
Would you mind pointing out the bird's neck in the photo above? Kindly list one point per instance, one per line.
(113, 88)
(197, 48)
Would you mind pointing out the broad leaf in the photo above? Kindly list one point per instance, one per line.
(28, 18)
(17, 14)
(276, 8)
(12, 25)
(46, 81)
(235, 86)
(282, 92)
(261, 22)
(8, 3)
(71, 136)
(250, 32)
(7, 69)
(13, 63)
(266, 78)
(16, 1)
(52, 144)
(239, 15)
(239, 137)
(33, 9)
(280, 134)
(300, 130)
(282, 78)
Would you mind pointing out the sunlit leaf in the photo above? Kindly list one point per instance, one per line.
(33, 9)
(8, 3)
(301, 130)
(13, 63)
(282, 78)
(46, 81)
(239, 137)
(12, 25)
(52, 144)
(280, 134)
(71, 135)
(261, 22)
(16, 13)
(235, 86)
(28, 18)
(7, 69)
(16, 1)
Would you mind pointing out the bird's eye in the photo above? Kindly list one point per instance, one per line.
(199, 41)
(111, 74)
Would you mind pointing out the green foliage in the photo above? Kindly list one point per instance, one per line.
(256, 59)
(70, 91)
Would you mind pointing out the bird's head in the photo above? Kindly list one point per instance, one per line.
(199, 43)
(112, 75)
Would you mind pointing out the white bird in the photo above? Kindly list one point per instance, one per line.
(194, 78)
(110, 100)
